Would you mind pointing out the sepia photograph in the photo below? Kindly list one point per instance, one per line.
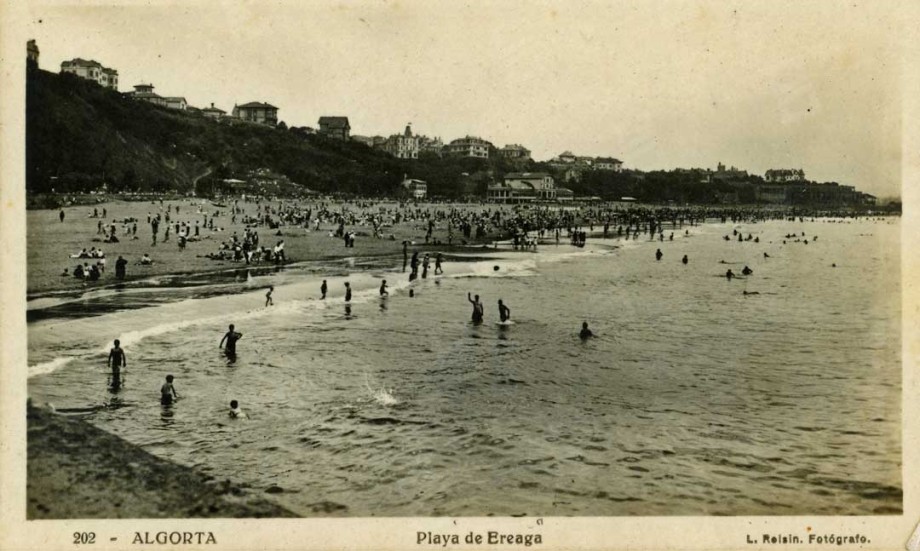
(534, 268)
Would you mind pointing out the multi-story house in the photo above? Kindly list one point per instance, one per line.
(335, 127)
(402, 146)
(258, 112)
(514, 151)
(430, 145)
(608, 163)
(416, 189)
(469, 146)
(90, 70)
(144, 92)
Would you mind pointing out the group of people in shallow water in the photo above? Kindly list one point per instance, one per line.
(117, 362)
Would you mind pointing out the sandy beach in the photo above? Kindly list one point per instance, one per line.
(76, 470)
(52, 242)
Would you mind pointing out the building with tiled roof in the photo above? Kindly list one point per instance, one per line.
(402, 146)
(144, 92)
(519, 187)
(213, 112)
(608, 163)
(256, 111)
(514, 151)
(335, 127)
(92, 70)
(469, 146)
(176, 103)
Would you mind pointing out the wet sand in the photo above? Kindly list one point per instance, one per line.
(78, 471)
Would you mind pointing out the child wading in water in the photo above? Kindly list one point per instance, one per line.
(168, 392)
(268, 297)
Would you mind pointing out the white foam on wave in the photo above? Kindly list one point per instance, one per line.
(382, 396)
(191, 312)
(49, 367)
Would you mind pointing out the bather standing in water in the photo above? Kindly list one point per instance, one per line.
(504, 313)
(478, 310)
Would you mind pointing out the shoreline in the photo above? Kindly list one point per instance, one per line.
(76, 470)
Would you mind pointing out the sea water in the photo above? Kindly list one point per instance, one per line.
(693, 398)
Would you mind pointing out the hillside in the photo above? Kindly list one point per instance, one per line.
(80, 135)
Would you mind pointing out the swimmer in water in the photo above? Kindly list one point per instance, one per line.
(235, 411)
(168, 392)
(268, 297)
(729, 274)
(231, 337)
(117, 360)
(478, 310)
(765, 255)
(383, 289)
(504, 313)
(585, 333)
(322, 289)
(347, 292)
(685, 259)
(658, 254)
(750, 292)
(747, 271)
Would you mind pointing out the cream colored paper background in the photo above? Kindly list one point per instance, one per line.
(885, 532)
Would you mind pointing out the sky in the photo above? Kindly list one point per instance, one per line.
(658, 85)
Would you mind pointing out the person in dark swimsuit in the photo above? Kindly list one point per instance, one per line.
(116, 361)
(322, 289)
(231, 337)
(478, 310)
(383, 289)
(585, 333)
(347, 292)
(504, 313)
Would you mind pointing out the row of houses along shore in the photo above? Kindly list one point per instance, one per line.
(778, 186)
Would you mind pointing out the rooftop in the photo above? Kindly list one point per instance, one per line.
(334, 122)
(81, 63)
(257, 105)
(526, 175)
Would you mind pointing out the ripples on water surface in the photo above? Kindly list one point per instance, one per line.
(693, 399)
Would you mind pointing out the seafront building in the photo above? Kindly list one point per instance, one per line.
(144, 92)
(336, 128)
(523, 187)
(608, 163)
(416, 189)
(430, 145)
(257, 112)
(402, 146)
(90, 70)
(469, 146)
(213, 112)
(514, 151)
